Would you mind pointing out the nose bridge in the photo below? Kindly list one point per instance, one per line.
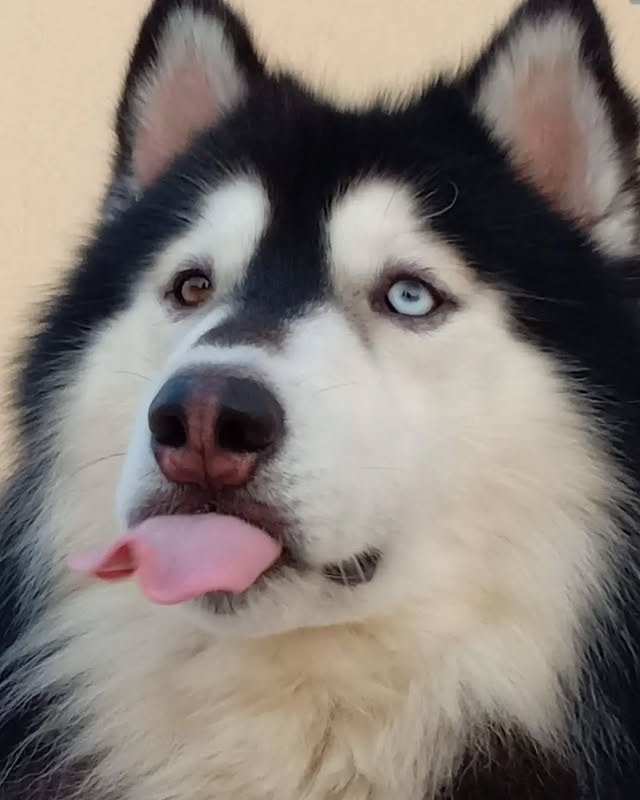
(248, 326)
(286, 276)
(227, 341)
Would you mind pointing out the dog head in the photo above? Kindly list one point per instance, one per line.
(344, 350)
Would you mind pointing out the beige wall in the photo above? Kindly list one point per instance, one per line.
(61, 63)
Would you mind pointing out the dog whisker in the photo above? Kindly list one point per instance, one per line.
(335, 387)
(132, 374)
(358, 566)
(95, 462)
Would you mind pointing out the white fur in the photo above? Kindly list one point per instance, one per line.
(230, 222)
(544, 105)
(457, 451)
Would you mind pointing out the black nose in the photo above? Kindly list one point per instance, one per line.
(210, 428)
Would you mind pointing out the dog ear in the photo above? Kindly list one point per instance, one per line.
(547, 89)
(194, 62)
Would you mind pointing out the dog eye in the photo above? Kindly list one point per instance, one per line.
(411, 297)
(191, 288)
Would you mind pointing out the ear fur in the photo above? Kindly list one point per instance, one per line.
(194, 61)
(547, 90)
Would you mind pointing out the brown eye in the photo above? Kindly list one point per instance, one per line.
(192, 288)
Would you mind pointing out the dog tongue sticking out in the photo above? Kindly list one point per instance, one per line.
(178, 558)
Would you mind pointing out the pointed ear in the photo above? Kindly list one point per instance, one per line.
(547, 90)
(194, 61)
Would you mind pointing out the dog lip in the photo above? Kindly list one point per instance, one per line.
(256, 514)
(355, 571)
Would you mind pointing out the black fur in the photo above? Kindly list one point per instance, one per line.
(564, 296)
(513, 770)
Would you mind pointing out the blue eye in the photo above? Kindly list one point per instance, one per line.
(411, 298)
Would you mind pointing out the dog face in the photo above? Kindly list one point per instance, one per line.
(363, 333)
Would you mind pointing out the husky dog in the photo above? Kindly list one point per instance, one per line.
(327, 457)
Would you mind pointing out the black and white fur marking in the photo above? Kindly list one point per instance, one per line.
(481, 462)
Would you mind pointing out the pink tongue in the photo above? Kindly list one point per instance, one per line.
(178, 558)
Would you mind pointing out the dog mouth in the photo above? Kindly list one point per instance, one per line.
(191, 547)
(354, 571)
